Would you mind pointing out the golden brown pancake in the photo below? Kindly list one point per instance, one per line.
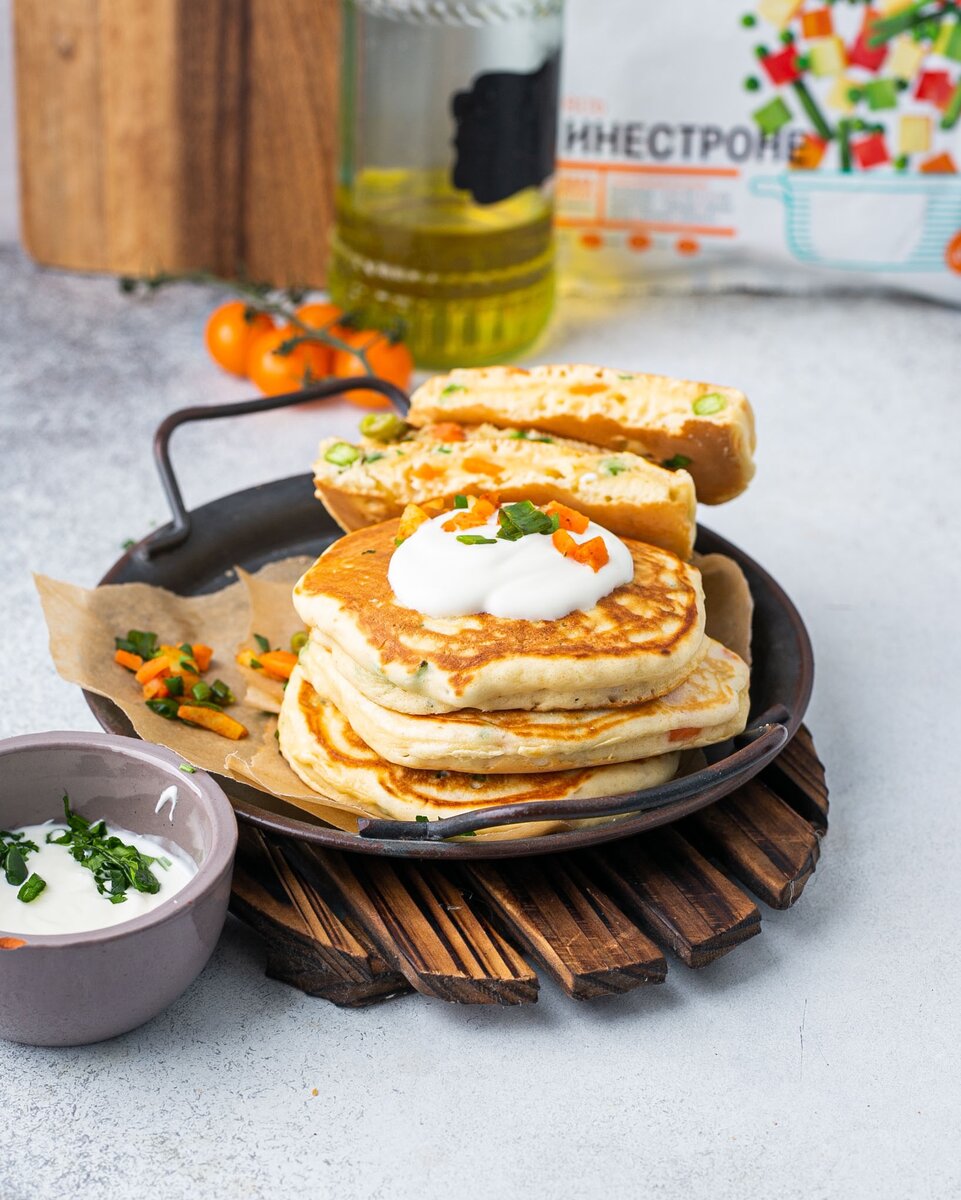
(709, 706)
(329, 757)
(638, 642)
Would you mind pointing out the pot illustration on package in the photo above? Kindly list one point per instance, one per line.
(872, 183)
(785, 145)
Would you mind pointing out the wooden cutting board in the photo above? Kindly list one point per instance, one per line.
(172, 135)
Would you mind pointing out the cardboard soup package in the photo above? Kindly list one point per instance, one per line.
(776, 144)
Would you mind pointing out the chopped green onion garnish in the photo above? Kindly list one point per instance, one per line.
(342, 454)
(475, 539)
(460, 501)
(263, 645)
(613, 466)
(164, 707)
(115, 865)
(383, 427)
(175, 685)
(31, 889)
(188, 769)
(453, 387)
(14, 848)
(522, 518)
(16, 866)
(677, 462)
(299, 640)
(222, 693)
(372, 458)
(706, 406)
(201, 691)
(138, 642)
(420, 818)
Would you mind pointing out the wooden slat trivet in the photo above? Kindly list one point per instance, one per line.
(797, 776)
(677, 896)
(308, 945)
(761, 840)
(573, 928)
(425, 927)
(356, 929)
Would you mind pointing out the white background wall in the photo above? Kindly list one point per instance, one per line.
(8, 170)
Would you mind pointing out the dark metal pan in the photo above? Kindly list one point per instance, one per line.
(196, 554)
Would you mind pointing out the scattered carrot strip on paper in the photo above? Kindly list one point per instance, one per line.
(170, 678)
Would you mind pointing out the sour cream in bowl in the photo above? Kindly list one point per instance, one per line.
(109, 910)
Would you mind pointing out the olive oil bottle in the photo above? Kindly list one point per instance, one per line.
(444, 199)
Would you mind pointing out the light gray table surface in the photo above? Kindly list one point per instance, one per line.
(820, 1059)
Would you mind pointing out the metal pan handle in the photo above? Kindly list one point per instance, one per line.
(762, 740)
(177, 532)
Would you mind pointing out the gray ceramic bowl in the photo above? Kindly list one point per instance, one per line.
(71, 989)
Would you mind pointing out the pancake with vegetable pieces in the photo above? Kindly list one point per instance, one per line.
(323, 750)
(373, 480)
(703, 427)
(710, 706)
(639, 641)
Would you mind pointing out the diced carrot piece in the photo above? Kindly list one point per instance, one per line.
(209, 718)
(434, 508)
(427, 471)
(481, 466)
(569, 518)
(464, 520)
(133, 662)
(278, 662)
(479, 513)
(593, 553)
(411, 520)
(152, 668)
(175, 656)
(492, 498)
(155, 689)
(202, 655)
(448, 431)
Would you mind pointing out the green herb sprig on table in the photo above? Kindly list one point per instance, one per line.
(116, 866)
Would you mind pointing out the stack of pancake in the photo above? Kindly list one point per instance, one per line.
(409, 716)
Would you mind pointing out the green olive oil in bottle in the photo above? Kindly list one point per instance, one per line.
(444, 199)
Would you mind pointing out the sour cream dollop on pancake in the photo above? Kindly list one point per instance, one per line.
(527, 580)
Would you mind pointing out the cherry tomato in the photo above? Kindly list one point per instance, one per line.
(320, 314)
(388, 360)
(231, 331)
(276, 373)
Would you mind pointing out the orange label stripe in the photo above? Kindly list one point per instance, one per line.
(654, 226)
(574, 164)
